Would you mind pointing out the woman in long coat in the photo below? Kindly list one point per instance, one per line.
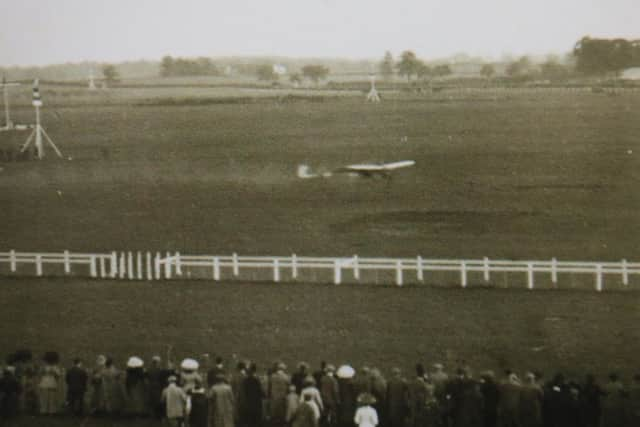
(252, 395)
(221, 404)
(50, 382)
(531, 397)
(136, 386)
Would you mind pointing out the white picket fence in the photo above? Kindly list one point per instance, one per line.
(146, 266)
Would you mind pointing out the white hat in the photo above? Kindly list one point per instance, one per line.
(135, 362)
(345, 371)
(190, 364)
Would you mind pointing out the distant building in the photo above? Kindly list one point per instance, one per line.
(631, 74)
(279, 69)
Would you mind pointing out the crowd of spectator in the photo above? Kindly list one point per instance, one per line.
(204, 394)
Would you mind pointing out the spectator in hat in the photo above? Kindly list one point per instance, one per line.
(236, 381)
(317, 375)
(439, 378)
(305, 415)
(10, 390)
(417, 395)
(97, 404)
(329, 392)
(189, 374)
(277, 392)
(157, 380)
(379, 391)
(466, 400)
(299, 376)
(396, 398)
(175, 400)
(50, 378)
(490, 394)
(252, 395)
(362, 381)
(309, 388)
(366, 415)
(112, 388)
(293, 402)
(217, 369)
(199, 406)
(509, 401)
(348, 397)
(221, 403)
(590, 402)
(613, 402)
(136, 386)
(531, 396)
(76, 379)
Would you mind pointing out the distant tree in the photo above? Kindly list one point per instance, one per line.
(408, 65)
(110, 74)
(315, 73)
(386, 66)
(265, 73)
(295, 78)
(423, 71)
(442, 70)
(487, 71)
(519, 69)
(602, 56)
(553, 70)
(166, 66)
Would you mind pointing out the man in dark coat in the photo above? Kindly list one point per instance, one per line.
(76, 379)
(590, 402)
(329, 393)
(157, 380)
(613, 402)
(10, 390)
(252, 395)
(490, 393)
(397, 404)
(297, 379)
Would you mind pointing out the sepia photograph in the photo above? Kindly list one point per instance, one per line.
(320, 213)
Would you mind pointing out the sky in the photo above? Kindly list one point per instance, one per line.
(39, 32)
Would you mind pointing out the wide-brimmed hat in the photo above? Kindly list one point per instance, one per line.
(366, 399)
(345, 371)
(190, 364)
(135, 362)
(172, 379)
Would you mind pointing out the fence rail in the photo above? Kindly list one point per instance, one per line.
(145, 265)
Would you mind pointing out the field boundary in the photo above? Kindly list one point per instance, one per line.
(146, 266)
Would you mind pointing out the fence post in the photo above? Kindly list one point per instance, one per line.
(67, 263)
(216, 268)
(530, 283)
(356, 268)
(149, 271)
(130, 266)
(12, 260)
(39, 265)
(276, 270)
(236, 268)
(139, 264)
(486, 269)
(554, 271)
(178, 264)
(399, 273)
(158, 269)
(419, 271)
(294, 266)
(92, 266)
(599, 277)
(625, 273)
(123, 265)
(337, 272)
(463, 274)
(103, 271)
(167, 266)
(113, 268)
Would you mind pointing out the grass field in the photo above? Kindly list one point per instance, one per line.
(574, 331)
(529, 176)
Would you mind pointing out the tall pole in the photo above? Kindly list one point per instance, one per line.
(38, 134)
(7, 118)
